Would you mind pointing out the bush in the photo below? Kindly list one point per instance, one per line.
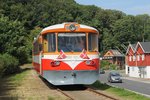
(113, 67)
(104, 64)
(107, 65)
(1, 65)
(13, 39)
(8, 65)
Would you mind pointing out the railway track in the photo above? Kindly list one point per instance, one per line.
(83, 93)
(79, 92)
(65, 94)
(101, 94)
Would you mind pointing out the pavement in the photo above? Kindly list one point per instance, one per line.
(137, 85)
(125, 76)
(137, 79)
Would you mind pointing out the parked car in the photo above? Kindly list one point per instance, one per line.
(101, 71)
(114, 77)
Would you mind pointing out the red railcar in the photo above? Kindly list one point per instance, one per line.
(67, 53)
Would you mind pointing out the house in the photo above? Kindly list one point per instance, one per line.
(138, 60)
(115, 57)
(129, 57)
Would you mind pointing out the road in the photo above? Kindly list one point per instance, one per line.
(130, 84)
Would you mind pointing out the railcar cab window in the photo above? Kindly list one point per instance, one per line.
(49, 42)
(71, 42)
(93, 42)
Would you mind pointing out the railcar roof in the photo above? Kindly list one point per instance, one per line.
(59, 26)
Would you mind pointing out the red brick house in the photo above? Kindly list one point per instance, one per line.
(138, 60)
(115, 57)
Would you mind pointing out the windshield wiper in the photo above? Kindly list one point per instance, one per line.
(68, 48)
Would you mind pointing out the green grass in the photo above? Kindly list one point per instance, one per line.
(17, 78)
(124, 94)
(50, 98)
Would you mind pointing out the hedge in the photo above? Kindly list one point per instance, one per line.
(8, 64)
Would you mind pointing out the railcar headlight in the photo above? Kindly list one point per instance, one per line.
(90, 62)
(72, 27)
(55, 63)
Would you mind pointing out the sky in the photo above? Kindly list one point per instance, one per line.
(130, 7)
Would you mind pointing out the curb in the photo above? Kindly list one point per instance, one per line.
(128, 90)
(134, 79)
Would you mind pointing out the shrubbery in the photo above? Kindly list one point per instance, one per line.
(13, 39)
(8, 64)
(107, 65)
(104, 64)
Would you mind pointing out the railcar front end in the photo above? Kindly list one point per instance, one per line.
(67, 54)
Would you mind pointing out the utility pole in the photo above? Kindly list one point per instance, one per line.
(143, 32)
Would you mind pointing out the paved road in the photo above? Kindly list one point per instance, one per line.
(142, 87)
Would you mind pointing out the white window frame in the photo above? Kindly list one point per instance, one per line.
(138, 57)
(130, 58)
(134, 57)
(143, 57)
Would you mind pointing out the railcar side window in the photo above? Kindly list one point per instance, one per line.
(93, 42)
(49, 42)
(36, 47)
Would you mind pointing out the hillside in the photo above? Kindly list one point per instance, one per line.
(21, 20)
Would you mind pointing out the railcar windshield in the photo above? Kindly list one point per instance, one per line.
(69, 42)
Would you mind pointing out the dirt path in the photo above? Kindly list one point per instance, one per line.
(31, 87)
(85, 95)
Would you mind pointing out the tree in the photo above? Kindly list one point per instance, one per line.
(143, 24)
(13, 39)
(115, 27)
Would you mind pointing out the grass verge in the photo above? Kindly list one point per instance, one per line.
(17, 78)
(120, 92)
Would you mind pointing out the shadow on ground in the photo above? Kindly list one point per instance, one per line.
(7, 86)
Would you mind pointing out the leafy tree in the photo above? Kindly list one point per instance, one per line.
(13, 39)
(124, 32)
(143, 24)
(21, 19)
